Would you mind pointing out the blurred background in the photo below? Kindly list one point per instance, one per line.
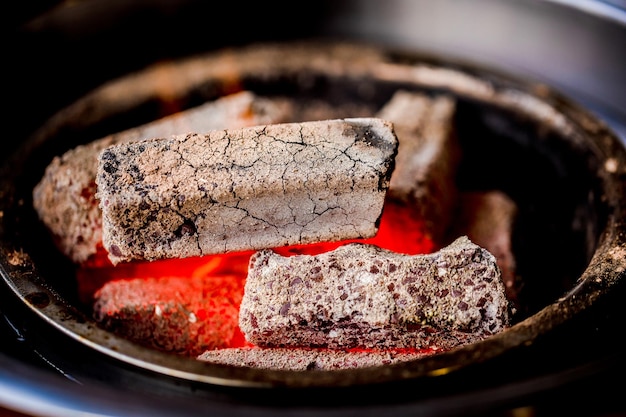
(60, 50)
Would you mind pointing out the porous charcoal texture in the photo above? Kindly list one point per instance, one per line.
(363, 296)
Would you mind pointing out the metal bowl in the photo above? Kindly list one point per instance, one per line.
(582, 150)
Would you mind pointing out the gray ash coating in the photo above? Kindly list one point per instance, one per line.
(364, 296)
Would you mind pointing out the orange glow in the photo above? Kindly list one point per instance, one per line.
(400, 230)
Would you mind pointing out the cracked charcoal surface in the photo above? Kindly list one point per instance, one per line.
(65, 196)
(245, 189)
(363, 296)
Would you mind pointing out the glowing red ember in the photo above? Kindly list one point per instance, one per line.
(191, 305)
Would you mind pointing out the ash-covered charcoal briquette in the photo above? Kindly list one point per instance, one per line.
(488, 218)
(245, 189)
(309, 359)
(363, 296)
(65, 198)
(428, 156)
(183, 315)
